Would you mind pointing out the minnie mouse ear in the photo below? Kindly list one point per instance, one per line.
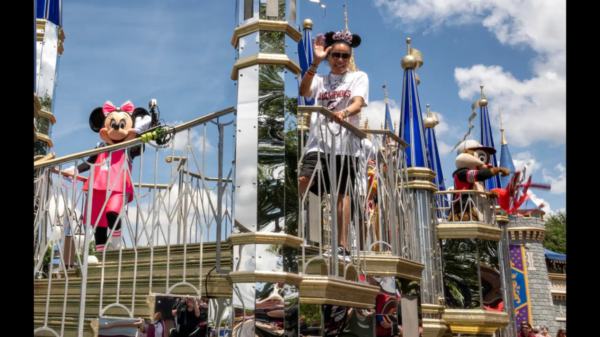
(355, 41)
(329, 38)
(97, 119)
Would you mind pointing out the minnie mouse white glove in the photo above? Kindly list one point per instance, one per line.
(142, 123)
(72, 170)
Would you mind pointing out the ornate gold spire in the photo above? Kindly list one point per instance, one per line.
(351, 64)
(386, 97)
(431, 120)
(504, 142)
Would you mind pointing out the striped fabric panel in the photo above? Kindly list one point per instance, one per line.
(471, 176)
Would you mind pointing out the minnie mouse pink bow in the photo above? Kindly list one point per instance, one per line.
(343, 36)
(109, 107)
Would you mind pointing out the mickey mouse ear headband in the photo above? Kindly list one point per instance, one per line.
(353, 40)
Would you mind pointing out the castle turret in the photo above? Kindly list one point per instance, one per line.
(486, 139)
(506, 160)
(434, 160)
(421, 189)
(532, 287)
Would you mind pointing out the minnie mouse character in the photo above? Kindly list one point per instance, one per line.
(115, 125)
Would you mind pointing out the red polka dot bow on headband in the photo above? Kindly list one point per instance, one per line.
(343, 36)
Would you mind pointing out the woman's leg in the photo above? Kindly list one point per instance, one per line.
(343, 221)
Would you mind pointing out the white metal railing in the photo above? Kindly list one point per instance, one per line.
(346, 206)
(175, 206)
(388, 229)
(466, 206)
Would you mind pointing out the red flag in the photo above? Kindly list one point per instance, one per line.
(515, 194)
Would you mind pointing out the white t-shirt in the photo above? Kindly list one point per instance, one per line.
(354, 84)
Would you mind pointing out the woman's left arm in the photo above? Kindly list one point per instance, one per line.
(354, 108)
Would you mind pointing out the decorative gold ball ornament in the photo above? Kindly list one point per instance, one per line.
(408, 62)
(482, 101)
(429, 122)
(308, 24)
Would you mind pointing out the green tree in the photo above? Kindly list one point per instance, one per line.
(556, 232)
(461, 270)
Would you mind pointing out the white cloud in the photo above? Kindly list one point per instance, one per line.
(558, 183)
(375, 113)
(523, 159)
(196, 140)
(533, 109)
(443, 148)
(537, 201)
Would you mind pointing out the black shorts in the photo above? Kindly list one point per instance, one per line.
(347, 171)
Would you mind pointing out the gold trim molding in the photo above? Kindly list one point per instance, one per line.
(265, 25)
(262, 58)
(433, 327)
(421, 185)
(264, 276)
(326, 290)
(44, 138)
(420, 172)
(434, 309)
(37, 106)
(475, 321)
(558, 277)
(394, 266)
(264, 238)
(502, 219)
(48, 115)
(468, 231)
(527, 233)
(558, 286)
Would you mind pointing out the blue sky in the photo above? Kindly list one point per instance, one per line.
(179, 52)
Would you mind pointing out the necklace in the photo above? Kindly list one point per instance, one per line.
(337, 83)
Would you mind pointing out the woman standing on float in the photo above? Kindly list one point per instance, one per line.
(345, 93)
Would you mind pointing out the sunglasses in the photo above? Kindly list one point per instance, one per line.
(337, 55)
